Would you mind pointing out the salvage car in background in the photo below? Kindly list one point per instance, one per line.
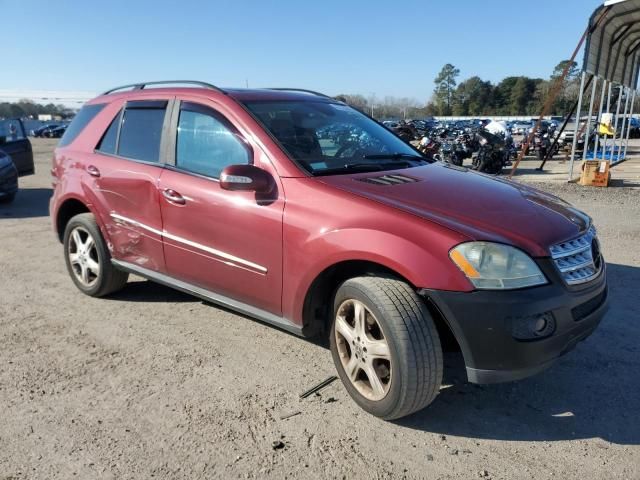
(40, 131)
(8, 178)
(14, 142)
(57, 132)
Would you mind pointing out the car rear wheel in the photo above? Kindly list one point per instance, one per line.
(385, 346)
(88, 259)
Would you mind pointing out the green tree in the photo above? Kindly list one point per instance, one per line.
(445, 88)
(569, 89)
(573, 73)
(473, 97)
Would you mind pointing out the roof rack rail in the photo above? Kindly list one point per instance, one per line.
(141, 86)
(301, 90)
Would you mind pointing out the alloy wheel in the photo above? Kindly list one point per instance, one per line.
(363, 349)
(83, 256)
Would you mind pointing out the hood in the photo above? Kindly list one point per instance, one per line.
(472, 204)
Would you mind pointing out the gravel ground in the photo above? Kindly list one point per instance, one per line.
(154, 383)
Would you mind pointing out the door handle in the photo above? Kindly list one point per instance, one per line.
(93, 171)
(173, 196)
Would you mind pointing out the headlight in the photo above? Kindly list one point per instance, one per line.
(493, 266)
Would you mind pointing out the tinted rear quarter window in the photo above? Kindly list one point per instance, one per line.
(108, 142)
(140, 134)
(79, 122)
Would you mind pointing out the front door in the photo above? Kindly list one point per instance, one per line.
(14, 142)
(226, 242)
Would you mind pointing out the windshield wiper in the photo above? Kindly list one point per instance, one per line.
(364, 167)
(397, 155)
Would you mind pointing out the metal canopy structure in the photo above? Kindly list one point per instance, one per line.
(610, 71)
(613, 43)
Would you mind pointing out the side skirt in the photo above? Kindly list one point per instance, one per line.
(209, 296)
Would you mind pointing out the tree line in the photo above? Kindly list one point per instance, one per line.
(30, 109)
(515, 95)
(512, 96)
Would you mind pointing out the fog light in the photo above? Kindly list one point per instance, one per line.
(533, 327)
(541, 325)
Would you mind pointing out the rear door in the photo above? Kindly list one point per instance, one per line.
(14, 141)
(226, 242)
(126, 167)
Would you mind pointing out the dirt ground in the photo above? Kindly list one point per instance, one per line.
(154, 383)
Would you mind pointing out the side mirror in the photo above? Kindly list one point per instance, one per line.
(248, 178)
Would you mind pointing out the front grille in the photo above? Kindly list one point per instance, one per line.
(578, 260)
(582, 311)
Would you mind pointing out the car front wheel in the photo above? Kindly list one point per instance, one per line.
(88, 259)
(385, 346)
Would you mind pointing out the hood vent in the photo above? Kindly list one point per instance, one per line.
(388, 180)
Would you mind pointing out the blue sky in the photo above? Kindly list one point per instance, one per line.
(369, 47)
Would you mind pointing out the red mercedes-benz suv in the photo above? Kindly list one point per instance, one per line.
(294, 208)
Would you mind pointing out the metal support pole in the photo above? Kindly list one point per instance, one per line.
(555, 88)
(606, 139)
(567, 119)
(615, 127)
(587, 134)
(575, 134)
(625, 121)
(633, 102)
(599, 118)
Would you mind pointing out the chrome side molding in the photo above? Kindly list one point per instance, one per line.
(220, 255)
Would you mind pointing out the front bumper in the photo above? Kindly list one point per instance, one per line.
(483, 324)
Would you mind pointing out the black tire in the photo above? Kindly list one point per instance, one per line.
(457, 160)
(109, 279)
(8, 198)
(412, 337)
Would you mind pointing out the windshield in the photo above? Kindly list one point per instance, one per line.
(332, 138)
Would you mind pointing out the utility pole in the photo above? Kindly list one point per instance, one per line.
(372, 99)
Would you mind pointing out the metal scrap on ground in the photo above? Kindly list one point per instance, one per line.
(318, 387)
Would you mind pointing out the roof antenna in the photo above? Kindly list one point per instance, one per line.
(246, 82)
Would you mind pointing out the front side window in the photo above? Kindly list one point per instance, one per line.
(206, 142)
(330, 138)
(141, 131)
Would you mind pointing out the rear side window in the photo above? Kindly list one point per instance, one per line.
(206, 142)
(81, 120)
(141, 131)
(108, 142)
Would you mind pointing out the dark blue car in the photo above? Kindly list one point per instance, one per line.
(8, 178)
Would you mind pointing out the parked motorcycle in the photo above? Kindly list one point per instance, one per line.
(492, 153)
